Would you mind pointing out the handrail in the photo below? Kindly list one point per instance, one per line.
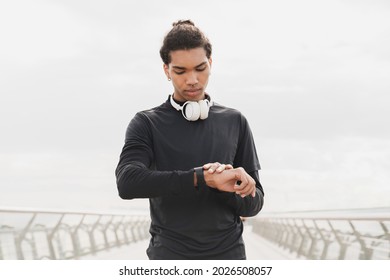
(328, 236)
(55, 234)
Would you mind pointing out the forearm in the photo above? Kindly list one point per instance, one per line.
(134, 180)
(249, 206)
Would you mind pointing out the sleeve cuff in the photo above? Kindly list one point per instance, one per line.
(186, 179)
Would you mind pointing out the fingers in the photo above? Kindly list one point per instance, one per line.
(212, 167)
(230, 179)
(228, 166)
(217, 167)
(247, 185)
(206, 166)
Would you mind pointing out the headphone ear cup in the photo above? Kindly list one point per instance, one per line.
(204, 109)
(191, 111)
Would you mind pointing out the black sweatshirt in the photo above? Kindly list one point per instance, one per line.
(161, 149)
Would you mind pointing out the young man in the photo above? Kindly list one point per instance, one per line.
(172, 156)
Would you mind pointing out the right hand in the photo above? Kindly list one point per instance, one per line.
(227, 181)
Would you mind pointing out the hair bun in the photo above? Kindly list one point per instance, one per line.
(183, 22)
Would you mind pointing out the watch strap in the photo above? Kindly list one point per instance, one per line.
(199, 177)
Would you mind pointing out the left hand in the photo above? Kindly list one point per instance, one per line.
(216, 167)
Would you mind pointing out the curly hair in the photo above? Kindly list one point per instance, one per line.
(184, 35)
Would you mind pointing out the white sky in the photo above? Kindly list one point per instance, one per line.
(312, 77)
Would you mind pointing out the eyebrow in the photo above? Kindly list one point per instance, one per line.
(183, 68)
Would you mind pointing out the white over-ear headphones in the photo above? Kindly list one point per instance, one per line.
(193, 110)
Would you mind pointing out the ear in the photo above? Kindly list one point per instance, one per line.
(210, 61)
(166, 70)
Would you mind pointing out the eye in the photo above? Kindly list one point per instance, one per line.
(201, 69)
(179, 73)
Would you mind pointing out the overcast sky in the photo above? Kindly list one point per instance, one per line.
(312, 77)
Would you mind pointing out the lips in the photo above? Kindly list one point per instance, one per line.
(192, 91)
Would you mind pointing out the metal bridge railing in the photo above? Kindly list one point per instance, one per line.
(328, 237)
(33, 234)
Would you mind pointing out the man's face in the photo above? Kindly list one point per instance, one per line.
(189, 71)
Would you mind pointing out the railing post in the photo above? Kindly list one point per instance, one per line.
(313, 243)
(293, 245)
(92, 236)
(116, 228)
(124, 231)
(284, 237)
(386, 235)
(51, 235)
(324, 239)
(302, 241)
(343, 245)
(107, 246)
(277, 230)
(365, 253)
(21, 236)
(289, 233)
(75, 239)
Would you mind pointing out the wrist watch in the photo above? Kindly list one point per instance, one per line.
(199, 177)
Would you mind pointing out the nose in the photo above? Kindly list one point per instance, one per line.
(192, 78)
